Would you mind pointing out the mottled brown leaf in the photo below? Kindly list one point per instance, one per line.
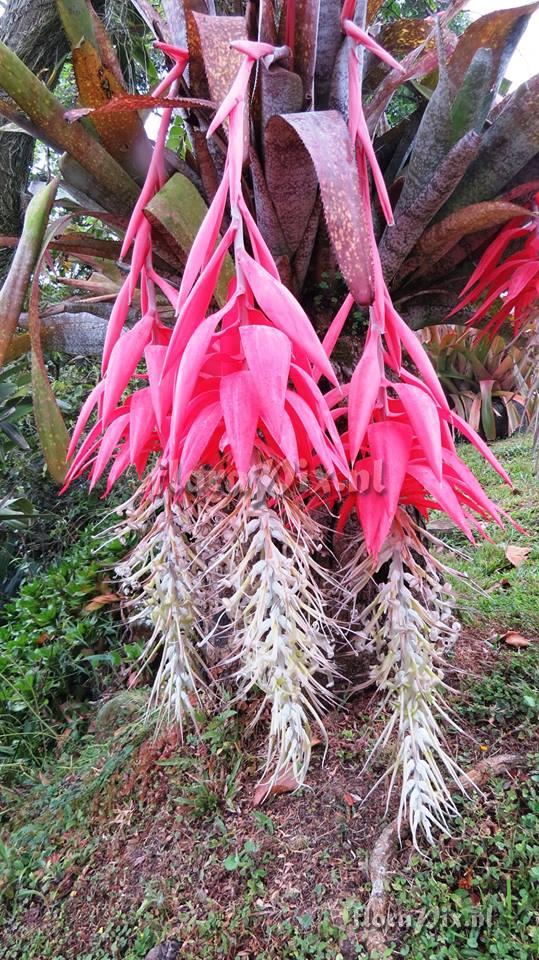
(398, 241)
(499, 31)
(324, 135)
(438, 239)
(506, 147)
(330, 37)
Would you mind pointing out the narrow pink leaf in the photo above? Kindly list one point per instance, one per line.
(260, 248)
(360, 36)
(197, 439)
(84, 415)
(191, 362)
(268, 352)
(204, 243)
(120, 465)
(335, 329)
(282, 308)
(479, 444)
(239, 400)
(312, 430)
(110, 440)
(141, 422)
(424, 417)
(377, 506)
(195, 307)
(161, 388)
(140, 252)
(116, 322)
(443, 494)
(288, 443)
(364, 387)
(124, 359)
(417, 355)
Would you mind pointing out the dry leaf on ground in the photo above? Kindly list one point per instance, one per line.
(517, 555)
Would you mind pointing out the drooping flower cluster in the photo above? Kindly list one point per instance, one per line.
(508, 272)
(245, 445)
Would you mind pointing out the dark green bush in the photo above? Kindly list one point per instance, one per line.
(53, 652)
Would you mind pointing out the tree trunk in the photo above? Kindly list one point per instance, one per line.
(32, 29)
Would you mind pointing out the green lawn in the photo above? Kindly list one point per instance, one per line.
(509, 597)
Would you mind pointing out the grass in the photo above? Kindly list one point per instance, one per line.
(510, 597)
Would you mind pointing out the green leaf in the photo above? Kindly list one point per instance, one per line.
(488, 420)
(472, 102)
(507, 146)
(47, 115)
(16, 284)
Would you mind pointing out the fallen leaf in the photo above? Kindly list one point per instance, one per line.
(514, 639)
(465, 882)
(284, 782)
(517, 555)
(350, 798)
(101, 601)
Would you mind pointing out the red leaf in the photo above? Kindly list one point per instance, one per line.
(138, 101)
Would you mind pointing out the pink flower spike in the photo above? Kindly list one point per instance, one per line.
(360, 36)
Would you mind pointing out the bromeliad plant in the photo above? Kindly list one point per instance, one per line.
(245, 443)
(489, 383)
